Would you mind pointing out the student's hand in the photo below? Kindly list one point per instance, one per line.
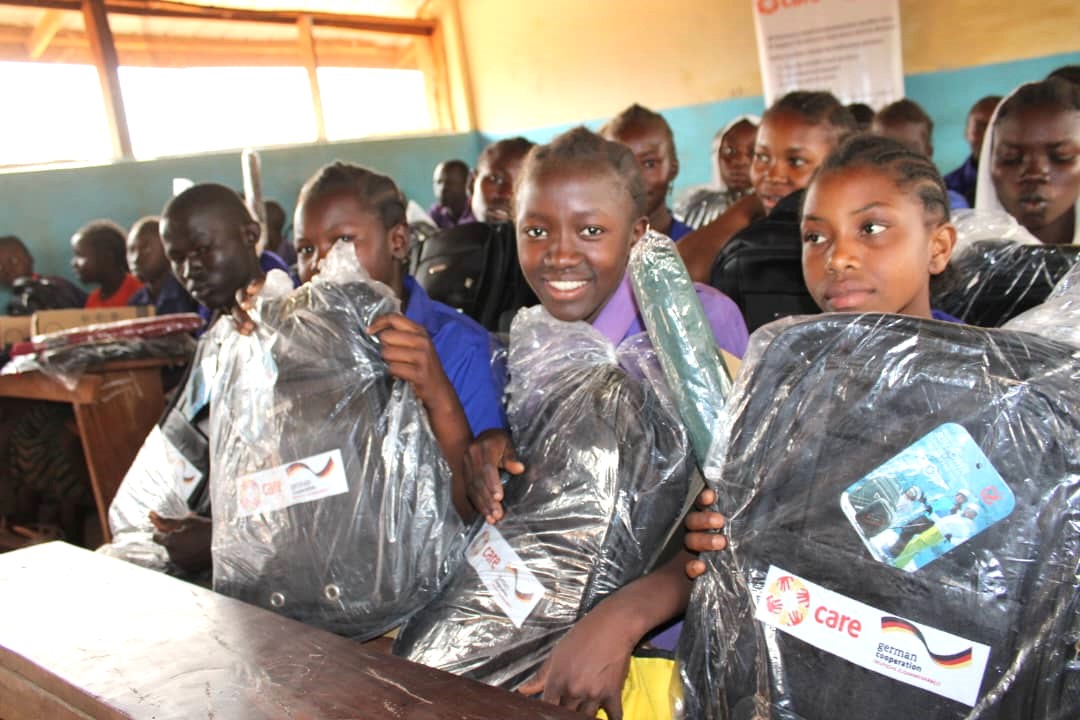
(490, 452)
(410, 356)
(245, 301)
(588, 667)
(703, 528)
(186, 539)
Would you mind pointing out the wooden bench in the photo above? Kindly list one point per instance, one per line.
(87, 636)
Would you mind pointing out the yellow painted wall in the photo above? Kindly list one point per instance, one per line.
(533, 63)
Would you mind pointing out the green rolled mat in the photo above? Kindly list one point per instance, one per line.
(682, 336)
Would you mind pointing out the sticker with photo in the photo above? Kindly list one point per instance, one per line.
(931, 497)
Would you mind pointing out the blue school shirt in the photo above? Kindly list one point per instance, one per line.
(465, 349)
(944, 316)
(678, 229)
(172, 298)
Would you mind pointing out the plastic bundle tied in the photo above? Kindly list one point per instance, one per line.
(903, 502)
(683, 338)
(607, 472)
(331, 498)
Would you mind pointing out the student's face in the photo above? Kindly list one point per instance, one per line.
(13, 265)
(735, 155)
(493, 189)
(913, 135)
(211, 255)
(86, 261)
(786, 153)
(867, 246)
(574, 232)
(655, 157)
(977, 122)
(1036, 164)
(324, 220)
(450, 186)
(146, 255)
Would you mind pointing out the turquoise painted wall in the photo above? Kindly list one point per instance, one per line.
(947, 96)
(46, 207)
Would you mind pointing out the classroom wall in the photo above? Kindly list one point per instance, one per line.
(947, 96)
(535, 63)
(46, 207)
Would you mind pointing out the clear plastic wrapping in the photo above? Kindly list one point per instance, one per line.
(995, 278)
(170, 473)
(903, 493)
(681, 334)
(607, 472)
(1059, 317)
(331, 498)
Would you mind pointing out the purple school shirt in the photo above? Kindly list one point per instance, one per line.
(620, 319)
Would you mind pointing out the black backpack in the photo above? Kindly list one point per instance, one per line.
(362, 559)
(474, 268)
(825, 402)
(993, 281)
(607, 472)
(760, 268)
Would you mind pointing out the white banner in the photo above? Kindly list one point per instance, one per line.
(849, 47)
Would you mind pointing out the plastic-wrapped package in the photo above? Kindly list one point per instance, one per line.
(170, 474)
(608, 470)
(331, 498)
(1059, 317)
(682, 337)
(903, 502)
(999, 270)
(67, 354)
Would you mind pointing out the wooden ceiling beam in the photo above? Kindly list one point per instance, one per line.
(103, 50)
(43, 33)
(163, 8)
(311, 64)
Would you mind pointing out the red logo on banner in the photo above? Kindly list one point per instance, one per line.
(768, 7)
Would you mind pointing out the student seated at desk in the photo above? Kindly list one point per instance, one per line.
(209, 238)
(146, 257)
(795, 135)
(581, 204)
(443, 354)
(649, 137)
(99, 257)
(30, 291)
(875, 232)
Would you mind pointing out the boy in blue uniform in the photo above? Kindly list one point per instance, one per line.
(146, 258)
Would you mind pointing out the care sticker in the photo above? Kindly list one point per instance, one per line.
(909, 652)
(512, 586)
(930, 498)
(311, 478)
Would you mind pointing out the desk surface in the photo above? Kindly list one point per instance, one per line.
(83, 635)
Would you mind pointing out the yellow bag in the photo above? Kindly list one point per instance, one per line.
(652, 690)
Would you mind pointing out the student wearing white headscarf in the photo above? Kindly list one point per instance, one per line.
(1030, 163)
(732, 153)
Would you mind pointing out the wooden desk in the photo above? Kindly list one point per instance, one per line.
(86, 636)
(114, 407)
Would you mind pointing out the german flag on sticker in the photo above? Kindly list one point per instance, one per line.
(955, 660)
